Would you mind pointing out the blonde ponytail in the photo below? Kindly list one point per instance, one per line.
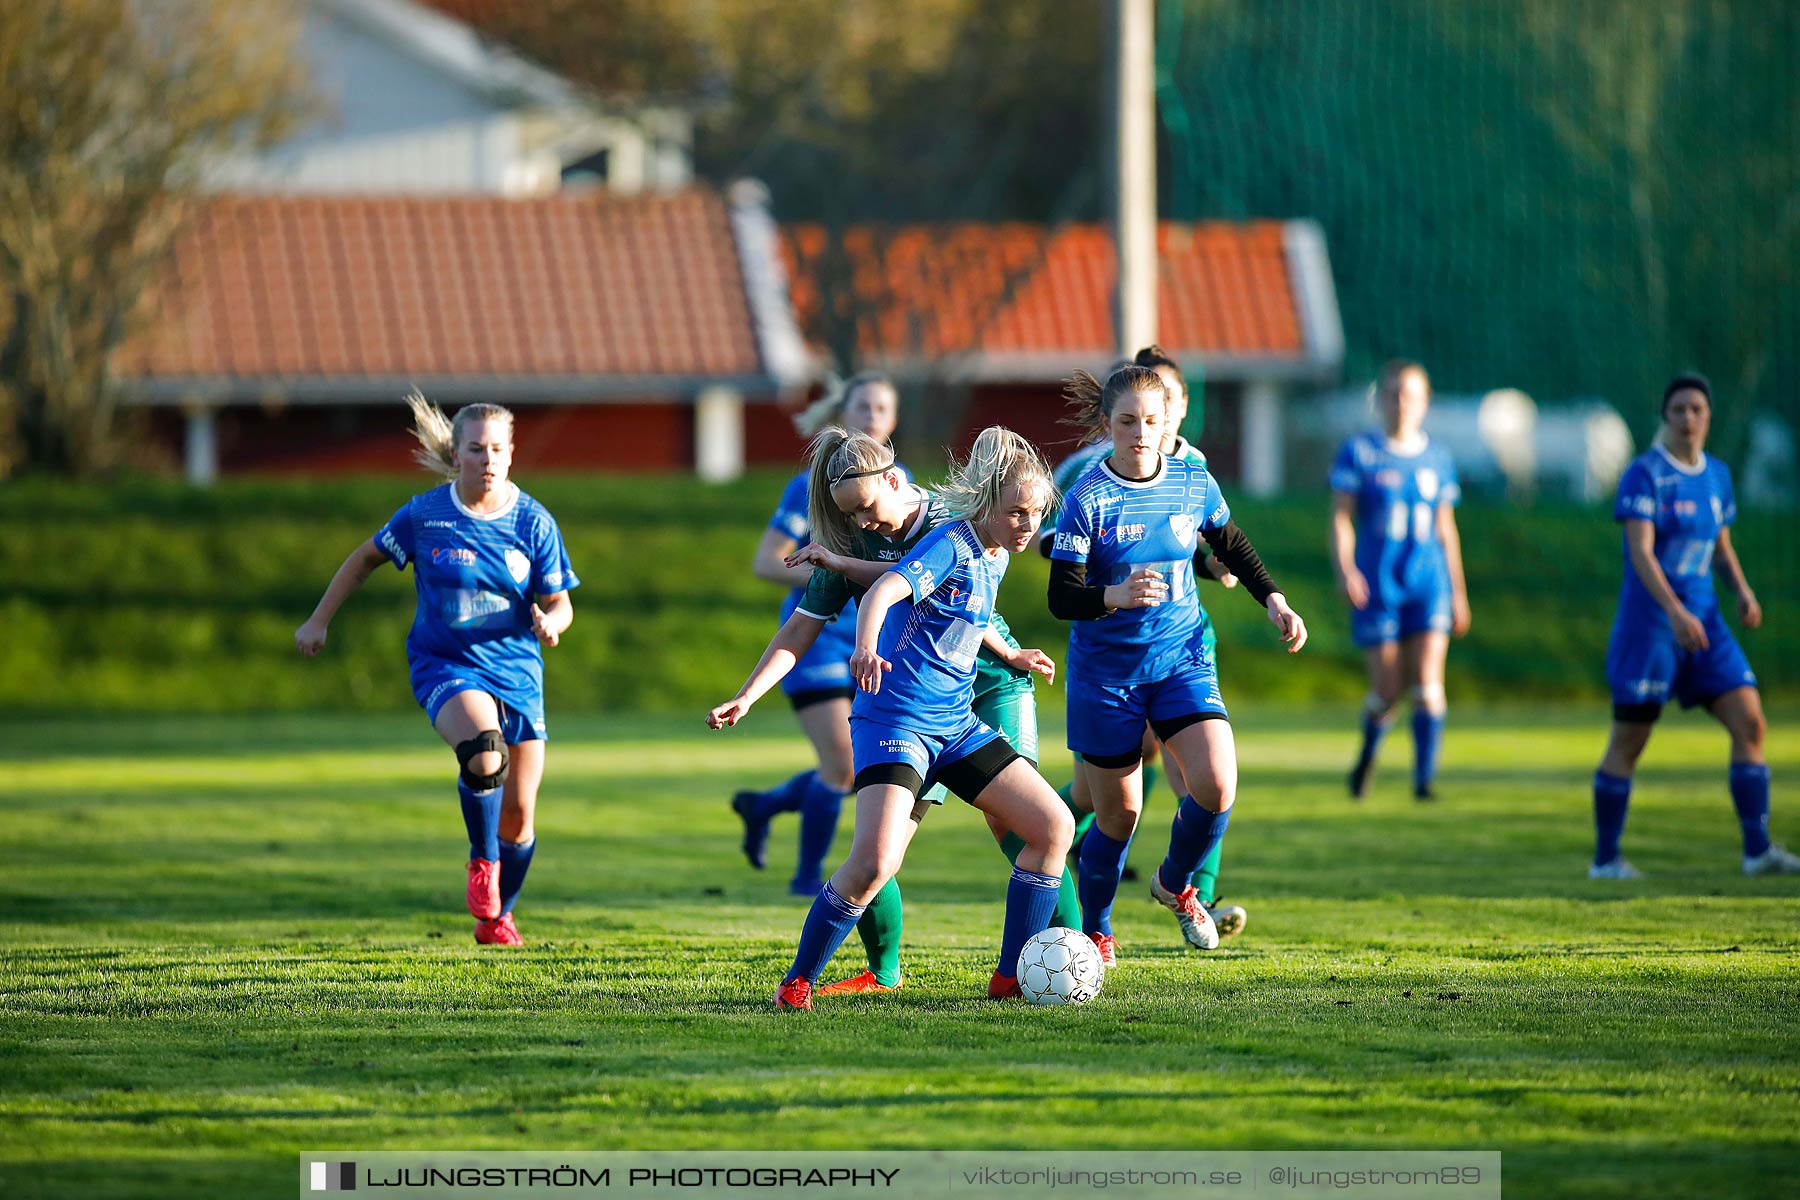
(829, 408)
(838, 454)
(998, 458)
(437, 434)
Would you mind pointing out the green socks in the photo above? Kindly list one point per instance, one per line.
(879, 928)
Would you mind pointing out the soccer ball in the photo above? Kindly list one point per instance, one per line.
(1060, 966)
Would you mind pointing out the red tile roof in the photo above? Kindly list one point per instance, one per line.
(925, 292)
(278, 287)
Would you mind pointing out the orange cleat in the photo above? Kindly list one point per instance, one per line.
(499, 932)
(1002, 986)
(795, 993)
(1109, 954)
(484, 889)
(858, 985)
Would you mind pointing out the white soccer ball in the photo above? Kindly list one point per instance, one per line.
(1060, 966)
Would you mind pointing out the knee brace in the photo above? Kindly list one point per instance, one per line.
(482, 743)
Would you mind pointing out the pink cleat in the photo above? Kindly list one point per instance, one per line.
(499, 932)
(1109, 954)
(858, 985)
(484, 889)
(796, 994)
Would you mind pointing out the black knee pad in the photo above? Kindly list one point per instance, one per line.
(482, 743)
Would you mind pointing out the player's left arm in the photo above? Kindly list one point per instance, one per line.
(1453, 559)
(1233, 549)
(551, 616)
(1725, 561)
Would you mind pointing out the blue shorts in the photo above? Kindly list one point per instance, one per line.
(874, 745)
(1395, 614)
(1106, 722)
(435, 681)
(1645, 667)
(825, 667)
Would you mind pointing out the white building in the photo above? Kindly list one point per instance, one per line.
(415, 101)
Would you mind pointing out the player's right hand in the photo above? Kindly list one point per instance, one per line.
(1146, 588)
(1690, 633)
(1355, 588)
(728, 713)
(309, 639)
(812, 554)
(866, 667)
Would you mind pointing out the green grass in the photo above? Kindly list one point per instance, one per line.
(231, 939)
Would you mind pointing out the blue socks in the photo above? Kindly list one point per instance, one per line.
(1097, 878)
(828, 922)
(1194, 834)
(1428, 734)
(515, 860)
(820, 806)
(1612, 796)
(785, 797)
(481, 815)
(1750, 796)
(1030, 899)
(1373, 730)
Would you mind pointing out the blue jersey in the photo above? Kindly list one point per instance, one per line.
(1397, 497)
(1687, 506)
(932, 639)
(1117, 526)
(477, 575)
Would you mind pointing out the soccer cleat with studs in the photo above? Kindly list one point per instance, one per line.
(498, 932)
(1002, 987)
(1618, 868)
(1197, 928)
(1108, 947)
(484, 889)
(1776, 860)
(795, 994)
(858, 985)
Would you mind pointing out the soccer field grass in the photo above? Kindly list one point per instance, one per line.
(231, 939)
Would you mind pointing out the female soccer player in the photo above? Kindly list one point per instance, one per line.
(1669, 638)
(818, 686)
(1131, 526)
(1398, 559)
(867, 516)
(493, 582)
(1230, 919)
(918, 631)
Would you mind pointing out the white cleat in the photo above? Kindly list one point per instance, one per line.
(1229, 918)
(1197, 928)
(1618, 868)
(1776, 860)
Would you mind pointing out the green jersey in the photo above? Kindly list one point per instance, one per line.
(827, 592)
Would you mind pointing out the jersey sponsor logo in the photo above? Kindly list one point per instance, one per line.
(1428, 484)
(391, 544)
(1387, 477)
(1183, 526)
(468, 608)
(887, 554)
(1120, 535)
(553, 579)
(1643, 506)
(1074, 543)
(1685, 508)
(455, 556)
(517, 565)
(440, 524)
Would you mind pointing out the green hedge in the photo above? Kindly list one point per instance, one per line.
(147, 595)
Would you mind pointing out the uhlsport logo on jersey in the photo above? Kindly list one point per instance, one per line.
(1183, 526)
(333, 1177)
(517, 564)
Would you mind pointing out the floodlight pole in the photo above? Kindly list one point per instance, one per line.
(1134, 170)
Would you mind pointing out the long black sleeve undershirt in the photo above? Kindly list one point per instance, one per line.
(1240, 558)
(1073, 598)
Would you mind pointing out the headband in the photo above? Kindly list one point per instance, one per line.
(859, 474)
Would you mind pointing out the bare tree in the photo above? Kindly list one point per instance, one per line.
(110, 111)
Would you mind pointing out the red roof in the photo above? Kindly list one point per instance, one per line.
(1016, 289)
(280, 287)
